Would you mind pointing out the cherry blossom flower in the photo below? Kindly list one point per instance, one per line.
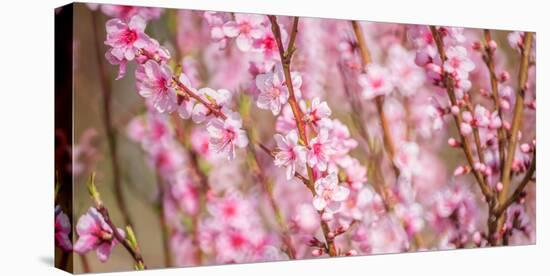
(95, 234)
(318, 114)
(412, 217)
(127, 12)
(216, 21)
(375, 82)
(62, 230)
(320, 150)
(329, 194)
(407, 77)
(406, 159)
(273, 90)
(225, 135)
(290, 153)
(458, 62)
(246, 28)
(125, 39)
(154, 82)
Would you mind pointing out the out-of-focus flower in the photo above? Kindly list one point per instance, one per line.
(62, 230)
(225, 135)
(290, 153)
(406, 159)
(246, 28)
(412, 217)
(515, 39)
(329, 194)
(407, 77)
(127, 12)
(375, 82)
(95, 234)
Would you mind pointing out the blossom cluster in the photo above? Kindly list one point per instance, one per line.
(275, 138)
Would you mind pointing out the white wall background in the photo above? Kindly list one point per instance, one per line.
(26, 135)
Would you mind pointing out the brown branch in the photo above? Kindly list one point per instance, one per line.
(489, 61)
(286, 57)
(387, 136)
(518, 114)
(389, 145)
(100, 207)
(465, 142)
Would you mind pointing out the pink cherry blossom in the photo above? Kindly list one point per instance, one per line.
(127, 12)
(320, 150)
(412, 217)
(329, 194)
(375, 82)
(246, 28)
(317, 114)
(406, 159)
(458, 62)
(273, 90)
(225, 135)
(154, 82)
(125, 39)
(62, 230)
(95, 234)
(407, 77)
(290, 153)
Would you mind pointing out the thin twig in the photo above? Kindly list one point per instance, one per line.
(100, 207)
(518, 114)
(519, 190)
(286, 57)
(465, 142)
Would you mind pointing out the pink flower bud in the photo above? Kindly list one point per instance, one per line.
(499, 187)
(504, 76)
(461, 170)
(455, 110)
(525, 148)
(454, 143)
(352, 252)
(504, 104)
(492, 45)
(477, 238)
(465, 129)
(467, 117)
(316, 252)
(330, 235)
(476, 46)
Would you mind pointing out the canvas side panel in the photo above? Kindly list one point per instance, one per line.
(63, 134)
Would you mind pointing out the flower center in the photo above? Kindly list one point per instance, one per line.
(129, 37)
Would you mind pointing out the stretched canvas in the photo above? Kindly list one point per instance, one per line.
(192, 138)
